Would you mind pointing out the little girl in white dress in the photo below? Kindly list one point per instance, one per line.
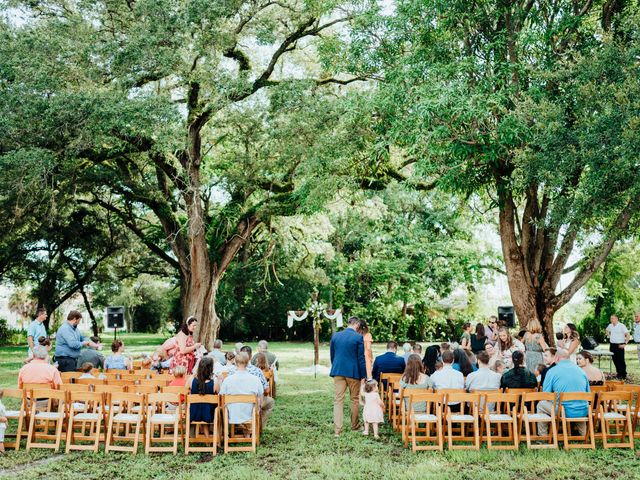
(373, 412)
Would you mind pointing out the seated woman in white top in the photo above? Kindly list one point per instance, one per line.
(506, 345)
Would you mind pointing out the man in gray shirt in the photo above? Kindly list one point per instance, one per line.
(91, 355)
(217, 353)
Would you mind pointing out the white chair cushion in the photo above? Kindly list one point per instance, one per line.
(162, 418)
(48, 415)
(86, 416)
(425, 417)
(397, 402)
(539, 417)
(116, 408)
(77, 406)
(577, 419)
(461, 418)
(621, 407)
(126, 417)
(614, 416)
(500, 417)
(13, 414)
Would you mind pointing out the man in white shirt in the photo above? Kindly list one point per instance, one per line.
(447, 377)
(636, 332)
(241, 383)
(618, 339)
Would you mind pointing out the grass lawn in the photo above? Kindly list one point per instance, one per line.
(299, 444)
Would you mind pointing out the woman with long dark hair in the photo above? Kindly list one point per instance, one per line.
(461, 362)
(570, 340)
(431, 355)
(203, 384)
(186, 347)
(518, 376)
(414, 377)
(478, 339)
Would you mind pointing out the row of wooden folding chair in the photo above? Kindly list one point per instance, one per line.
(481, 413)
(129, 418)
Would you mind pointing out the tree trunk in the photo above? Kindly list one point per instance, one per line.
(94, 322)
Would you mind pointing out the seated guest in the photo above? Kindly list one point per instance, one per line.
(45, 342)
(585, 362)
(444, 346)
(438, 365)
(492, 352)
(117, 361)
(202, 384)
(519, 376)
(461, 362)
(217, 353)
(431, 355)
(268, 402)
(263, 348)
(406, 348)
(472, 359)
(498, 367)
(388, 362)
(159, 360)
(92, 355)
(238, 347)
(414, 377)
(417, 349)
(549, 359)
(541, 367)
(241, 382)
(484, 378)
(86, 370)
(506, 345)
(566, 376)
(260, 361)
(447, 377)
(38, 370)
(179, 378)
(219, 369)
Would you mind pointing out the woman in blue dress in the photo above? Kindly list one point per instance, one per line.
(117, 361)
(203, 384)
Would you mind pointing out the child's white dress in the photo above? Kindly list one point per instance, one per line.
(372, 411)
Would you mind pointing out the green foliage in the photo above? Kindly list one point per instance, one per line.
(614, 289)
(10, 336)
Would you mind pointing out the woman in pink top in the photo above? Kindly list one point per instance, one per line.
(185, 354)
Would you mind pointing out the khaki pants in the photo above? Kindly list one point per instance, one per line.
(341, 386)
(543, 427)
(265, 410)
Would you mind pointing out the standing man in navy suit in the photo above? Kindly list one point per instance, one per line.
(348, 369)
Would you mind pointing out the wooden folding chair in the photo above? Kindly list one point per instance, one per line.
(158, 415)
(122, 417)
(520, 390)
(383, 384)
(431, 418)
(69, 377)
(229, 429)
(404, 410)
(530, 418)
(394, 392)
(469, 402)
(39, 417)
(90, 381)
(505, 412)
(634, 407)
(609, 411)
(136, 378)
(212, 441)
(88, 419)
(268, 374)
(16, 410)
(158, 384)
(588, 440)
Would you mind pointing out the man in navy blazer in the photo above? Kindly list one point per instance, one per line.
(348, 369)
(388, 362)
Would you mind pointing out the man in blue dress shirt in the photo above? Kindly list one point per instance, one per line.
(36, 330)
(567, 377)
(348, 369)
(388, 362)
(69, 342)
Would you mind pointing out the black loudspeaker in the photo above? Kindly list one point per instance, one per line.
(507, 315)
(589, 343)
(115, 317)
